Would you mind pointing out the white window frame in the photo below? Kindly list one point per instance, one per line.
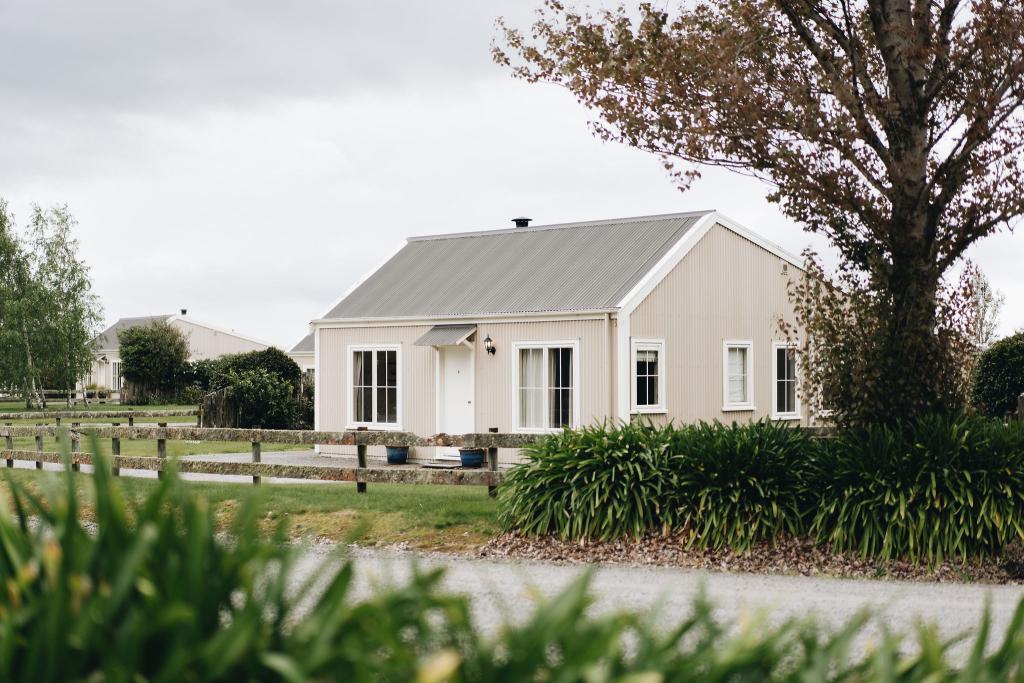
(776, 415)
(748, 405)
(349, 402)
(115, 375)
(657, 345)
(546, 346)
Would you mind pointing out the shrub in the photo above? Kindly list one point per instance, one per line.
(937, 487)
(263, 399)
(153, 358)
(594, 482)
(999, 377)
(735, 486)
(273, 360)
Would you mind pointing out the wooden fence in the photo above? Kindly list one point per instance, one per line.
(361, 474)
(130, 415)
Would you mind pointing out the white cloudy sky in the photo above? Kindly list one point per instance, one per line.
(248, 160)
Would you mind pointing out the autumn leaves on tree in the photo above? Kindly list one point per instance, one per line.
(892, 127)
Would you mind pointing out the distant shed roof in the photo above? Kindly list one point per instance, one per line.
(108, 338)
(305, 345)
(552, 268)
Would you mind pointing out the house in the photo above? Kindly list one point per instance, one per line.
(534, 328)
(205, 341)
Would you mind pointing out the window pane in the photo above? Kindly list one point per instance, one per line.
(362, 409)
(531, 389)
(737, 375)
(646, 377)
(387, 368)
(652, 390)
(641, 391)
(560, 389)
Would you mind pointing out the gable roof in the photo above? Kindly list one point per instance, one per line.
(305, 345)
(107, 340)
(587, 266)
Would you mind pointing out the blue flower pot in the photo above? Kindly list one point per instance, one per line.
(471, 457)
(398, 455)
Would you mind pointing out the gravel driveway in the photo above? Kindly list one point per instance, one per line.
(500, 590)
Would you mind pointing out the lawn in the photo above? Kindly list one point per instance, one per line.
(445, 518)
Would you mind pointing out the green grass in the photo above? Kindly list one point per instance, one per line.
(183, 420)
(445, 518)
(147, 447)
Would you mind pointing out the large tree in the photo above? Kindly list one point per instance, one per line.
(893, 127)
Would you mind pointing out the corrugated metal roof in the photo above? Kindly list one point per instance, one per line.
(305, 345)
(108, 339)
(445, 335)
(566, 267)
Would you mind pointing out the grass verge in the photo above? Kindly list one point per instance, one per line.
(438, 518)
(147, 447)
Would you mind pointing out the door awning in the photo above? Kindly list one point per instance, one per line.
(445, 335)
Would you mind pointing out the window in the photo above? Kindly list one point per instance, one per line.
(373, 376)
(738, 382)
(115, 375)
(648, 376)
(547, 386)
(785, 403)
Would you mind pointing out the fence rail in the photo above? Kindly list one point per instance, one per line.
(106, 414)
(361, 475)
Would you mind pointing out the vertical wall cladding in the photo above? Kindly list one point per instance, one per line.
(726, 288)
(207, 343)
(417, 382)
(496, 400)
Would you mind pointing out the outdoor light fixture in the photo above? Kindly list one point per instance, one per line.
(489, 345)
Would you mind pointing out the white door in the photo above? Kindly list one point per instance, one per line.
(456, 405)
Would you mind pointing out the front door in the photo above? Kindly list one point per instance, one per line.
(456, 403)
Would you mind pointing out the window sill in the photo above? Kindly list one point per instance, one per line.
(785, 417)
(649, 410)
(355, 426)
(739, 408)
(546, 430)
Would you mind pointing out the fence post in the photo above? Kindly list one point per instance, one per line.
(58, 420)
(256, 457)
(161, 447)
(115, 451)
(361, 457)
(131, 420)
(492, 463)
(9, 444)
(39, 446)
(75, 445)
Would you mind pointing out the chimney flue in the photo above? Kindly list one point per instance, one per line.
(522, 222)
(184, 311)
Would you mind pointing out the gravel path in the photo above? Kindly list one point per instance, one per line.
(505, 590)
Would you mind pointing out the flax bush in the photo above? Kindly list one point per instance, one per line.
(936, 487)
(593, 483)
(740, 484)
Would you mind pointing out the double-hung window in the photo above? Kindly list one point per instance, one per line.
(374, 386)
(547, 392)
(785, 402)
(737, 380)
(648, 376)
(115, 375)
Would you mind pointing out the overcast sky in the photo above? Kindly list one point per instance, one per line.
(249, 160)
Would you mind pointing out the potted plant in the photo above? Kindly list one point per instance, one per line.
(471, 457)
(398, 455)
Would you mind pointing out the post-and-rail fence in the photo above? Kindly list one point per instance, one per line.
(361, 474)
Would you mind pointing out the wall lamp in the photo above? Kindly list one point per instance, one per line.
(489, 345)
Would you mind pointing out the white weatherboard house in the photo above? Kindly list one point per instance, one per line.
(534, 328)
(205, 341)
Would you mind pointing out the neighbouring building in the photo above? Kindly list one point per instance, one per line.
(302, 354)
(534, 328)
(205, 341)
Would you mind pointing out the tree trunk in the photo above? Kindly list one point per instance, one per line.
(34, 392)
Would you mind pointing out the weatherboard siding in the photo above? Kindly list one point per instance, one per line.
(416, 386)
(726, 288)
(206, 343)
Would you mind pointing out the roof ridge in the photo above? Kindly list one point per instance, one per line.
(560, 226)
